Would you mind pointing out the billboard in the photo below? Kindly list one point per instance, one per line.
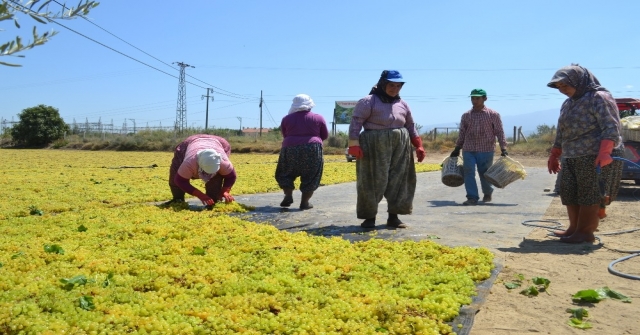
(343, 111)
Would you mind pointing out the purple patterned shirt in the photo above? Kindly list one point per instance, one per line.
(479, 129)
(373, 114)
(303, 127)
(584, 122)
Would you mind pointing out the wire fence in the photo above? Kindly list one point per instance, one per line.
(102, 129)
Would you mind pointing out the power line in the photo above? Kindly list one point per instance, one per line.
(66, 80)
(230, 94)
(410, 69)
(110, 33)
(162, 105)
(269, 113)
(222, 107)
(234, 95)
(148, 54)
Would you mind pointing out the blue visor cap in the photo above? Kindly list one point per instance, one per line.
(394, 76)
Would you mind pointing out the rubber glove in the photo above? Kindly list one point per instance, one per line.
(554, 160)
(604, 155)
(356, 151)
(204, 198)
(226, 195)
(504, 153)
(420, 153)
(455, 152)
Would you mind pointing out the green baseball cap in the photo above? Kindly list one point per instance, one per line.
(478, 92)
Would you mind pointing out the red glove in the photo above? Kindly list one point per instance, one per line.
(204, 198)
(420, 153)
(554, 160)
(356, 151)
(604, 155)
(226, 195)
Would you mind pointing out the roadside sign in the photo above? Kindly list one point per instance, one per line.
(343, 112)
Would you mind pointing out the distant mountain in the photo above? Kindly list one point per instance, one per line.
(529, 122)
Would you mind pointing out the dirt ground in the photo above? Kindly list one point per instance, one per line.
(569, 268)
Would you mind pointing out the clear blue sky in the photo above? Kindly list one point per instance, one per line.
(331, 50)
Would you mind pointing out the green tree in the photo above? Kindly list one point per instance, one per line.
(39, 11)
(39, 126)
(544, 129)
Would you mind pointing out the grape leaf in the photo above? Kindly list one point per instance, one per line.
(86, 303)
(512, 285)
(541, 281)
(53, 249)
(107, 281)
(70, 283)
(530, 291)
(573, 322)
(588, 296)
(578, 313)
(33, 210)
(606, 291)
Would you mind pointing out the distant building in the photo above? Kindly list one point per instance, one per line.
(254, 131)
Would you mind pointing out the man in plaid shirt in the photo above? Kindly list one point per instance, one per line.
(479, 128)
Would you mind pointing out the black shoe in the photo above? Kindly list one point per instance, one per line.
(486, 198)
(395, 223)
(307, 206)
(368, 223)
(287, 201)
(470, 202)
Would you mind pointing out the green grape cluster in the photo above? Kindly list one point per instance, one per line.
(132, 269)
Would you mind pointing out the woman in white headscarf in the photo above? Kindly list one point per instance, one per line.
(205, 157)
(301, 152)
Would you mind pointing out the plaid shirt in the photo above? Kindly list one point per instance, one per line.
(479, 129)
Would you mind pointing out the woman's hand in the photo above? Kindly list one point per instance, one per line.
(554, 160)
(604, 155)
(455, 152)
(356, 151)
(226, 195)
(420, 153)
(206, 200)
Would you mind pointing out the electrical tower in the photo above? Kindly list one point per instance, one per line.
(181, 111)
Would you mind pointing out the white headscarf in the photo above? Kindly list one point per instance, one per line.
(208, 163)
(301, 102)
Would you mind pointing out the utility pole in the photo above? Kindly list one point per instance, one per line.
(206, 119)
(240, 119)
(260, 113)
(134, 125)
(181, 110)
